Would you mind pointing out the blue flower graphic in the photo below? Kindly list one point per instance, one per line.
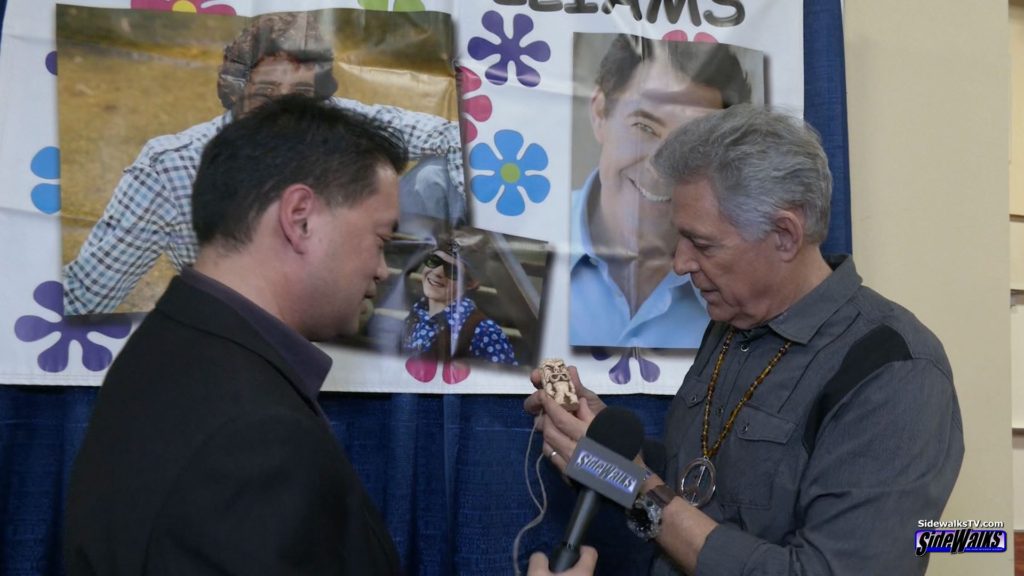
(510, 49)
(46, 165)
(95, 357)
(508, 172)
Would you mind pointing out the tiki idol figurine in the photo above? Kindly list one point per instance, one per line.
(558, 385)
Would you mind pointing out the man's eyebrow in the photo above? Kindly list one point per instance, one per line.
(690, 234)
(684, 97)
(645, 115)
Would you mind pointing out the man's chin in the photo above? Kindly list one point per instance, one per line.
(340, 330)
(718, 312)
(341, 335)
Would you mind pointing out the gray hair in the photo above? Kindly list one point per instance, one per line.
(757, 163)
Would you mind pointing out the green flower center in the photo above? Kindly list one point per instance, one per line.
(510, 173)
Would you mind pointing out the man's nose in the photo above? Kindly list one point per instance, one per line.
(382, 269)
(683, 261)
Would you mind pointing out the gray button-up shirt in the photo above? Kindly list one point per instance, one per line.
(853, 437)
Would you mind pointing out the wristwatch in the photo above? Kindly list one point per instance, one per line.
(644, 518)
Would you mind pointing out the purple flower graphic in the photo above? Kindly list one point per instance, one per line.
(95, 357)
(620, 372)
(508, 172)
(510, 50)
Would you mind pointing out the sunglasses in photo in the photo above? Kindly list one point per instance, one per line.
(450, 270)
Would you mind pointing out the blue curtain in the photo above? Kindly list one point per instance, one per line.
(825, 109)
(446, 471)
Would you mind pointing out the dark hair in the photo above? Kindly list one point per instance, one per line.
(293, 139)
(713, 65)
(295, 36)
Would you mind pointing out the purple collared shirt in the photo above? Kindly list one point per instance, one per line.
(309, 362)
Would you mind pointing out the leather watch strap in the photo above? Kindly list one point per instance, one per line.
(661, 494)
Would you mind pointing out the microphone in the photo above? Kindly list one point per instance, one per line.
(603, 464)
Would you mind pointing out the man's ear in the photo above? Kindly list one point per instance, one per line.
(294, 214)
(788, 231)
(598, 104)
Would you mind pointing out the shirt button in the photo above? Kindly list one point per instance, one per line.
(693, 398)
(744, 346)
(720, 410)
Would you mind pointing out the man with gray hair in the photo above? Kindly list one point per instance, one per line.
(819, 422)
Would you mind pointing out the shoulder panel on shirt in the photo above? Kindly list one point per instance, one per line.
(881, 346)
(921, 342)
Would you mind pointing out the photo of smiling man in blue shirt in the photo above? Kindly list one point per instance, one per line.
(623, 291)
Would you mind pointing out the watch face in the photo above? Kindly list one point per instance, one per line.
(644, 517)
(638, 514)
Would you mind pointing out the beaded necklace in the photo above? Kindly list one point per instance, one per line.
(698, 478)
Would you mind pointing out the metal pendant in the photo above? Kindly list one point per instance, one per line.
(697, 482)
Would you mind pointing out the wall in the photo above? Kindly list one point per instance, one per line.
(1017, 249)
(928, 89)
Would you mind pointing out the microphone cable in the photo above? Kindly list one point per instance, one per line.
(541, 504)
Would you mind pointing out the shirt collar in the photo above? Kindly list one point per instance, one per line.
(309, 362)
(802, 320)
(453, 312)
(581, 243)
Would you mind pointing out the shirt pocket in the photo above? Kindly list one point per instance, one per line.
(749, 460)
(682, 426)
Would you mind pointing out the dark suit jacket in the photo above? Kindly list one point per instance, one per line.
(202, 458)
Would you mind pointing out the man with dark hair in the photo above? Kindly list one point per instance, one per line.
(149, 213)
(819, 422)
(622, 239)
(207, 451)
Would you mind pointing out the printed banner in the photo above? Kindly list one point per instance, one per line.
(531, 231)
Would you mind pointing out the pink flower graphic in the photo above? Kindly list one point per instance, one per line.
(424, 369)
(681, 36)
(476, 107)
(193, 6)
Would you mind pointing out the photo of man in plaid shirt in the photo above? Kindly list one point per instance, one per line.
(150, 211)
